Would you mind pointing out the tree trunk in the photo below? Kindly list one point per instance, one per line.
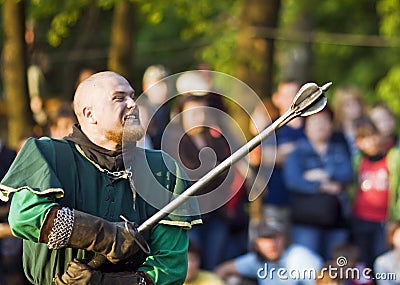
(79, 51)
(122, 32)
(14, 71)
(255, 55)
(299, 58)
(255, 61)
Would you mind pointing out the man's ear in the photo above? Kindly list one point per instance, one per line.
(88, 115)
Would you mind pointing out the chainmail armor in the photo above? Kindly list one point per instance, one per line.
(62, 228)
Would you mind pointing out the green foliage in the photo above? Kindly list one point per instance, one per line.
(389, 10)
(389, 86)
(219, 52)
(195, 24)
(222, 39)
(180, 33)
(65, 15)
(159, 40)
(346, 61)
(388, 90)
(108, 4)
(154, 12)
(207, 28)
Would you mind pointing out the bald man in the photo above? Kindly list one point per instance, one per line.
(68, 197)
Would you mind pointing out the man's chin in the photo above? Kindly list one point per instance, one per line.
(133, 134)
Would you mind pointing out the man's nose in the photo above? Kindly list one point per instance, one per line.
(130, 103)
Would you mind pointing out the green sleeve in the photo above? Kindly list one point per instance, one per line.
(167, 263)
(33, 186)
(27, 213)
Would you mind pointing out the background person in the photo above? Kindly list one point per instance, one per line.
(319, 169)
(385, 121)
(155, 104)
(375, 197)
(11, 271)
(61, 124)
(195, 275)
(348, 106)
(271, 252)
(345, 267)
(260, 160)
(388, 264)
(199, 148)
(276, 200)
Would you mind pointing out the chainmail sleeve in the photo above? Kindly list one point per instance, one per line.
(61, 230)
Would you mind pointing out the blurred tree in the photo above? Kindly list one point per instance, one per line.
(81, 52)
(345, 49)
(389, 86)
(14, 66)
(297, 62)
(255, 54)
(79, 36)
(310, 44)
(76, 19)
(122, 37)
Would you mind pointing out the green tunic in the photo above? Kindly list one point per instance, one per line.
(50, 172)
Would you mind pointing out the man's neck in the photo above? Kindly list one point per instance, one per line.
(106, 144)
(97, 152)
(100, 140)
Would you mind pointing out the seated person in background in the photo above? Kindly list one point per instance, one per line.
(196, 276)
(389, 262)
(273, 260)
(326, 278)
(345, 268)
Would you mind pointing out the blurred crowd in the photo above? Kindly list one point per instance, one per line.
(329, 182)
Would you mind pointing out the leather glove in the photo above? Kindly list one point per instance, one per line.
(113, 240)
(79, 273)
(116, 241)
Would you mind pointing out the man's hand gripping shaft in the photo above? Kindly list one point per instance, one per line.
(116, 241)
(99, 259)
(110, 241)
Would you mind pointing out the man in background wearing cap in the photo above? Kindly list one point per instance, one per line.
(272, 261)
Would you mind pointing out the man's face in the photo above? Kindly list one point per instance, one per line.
(351, 108)
(384, 121)
(116, 112)
(194, 115)
(283, 97)
(319, 127)
(62, 127)
(370, 145)
(271, 247)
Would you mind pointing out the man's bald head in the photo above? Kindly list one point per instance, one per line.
(90, 88)
(106, 109)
